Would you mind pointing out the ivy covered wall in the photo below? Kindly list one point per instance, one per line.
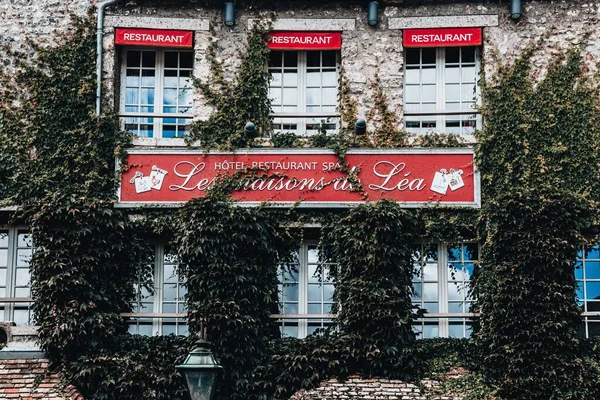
(539, 166)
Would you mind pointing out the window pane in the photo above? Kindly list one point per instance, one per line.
(148, 58)
(290, 78)
(452, 55)
(315, 308)
(23, 257)
(171, 59)
(412, 94)
(431, 307)
(313, 59)
(131, 96)
(147, 96)
(468, 74)
(171, 78)
(290, 292)
(328, 292)
(275, 58)
(468, 54)
(592, 290)
(315, 292)
(148, 77)
(275, 79)
(290, 308)
(592, 269)
(330, 96)
(430, 272)
(428, 93)
(411, 75)
(329, 58)
(290, 331)
(456, 330)
(313, 78)
(313, 96)
(133, 58)
(186, 59)
(430, 291)
(430, 331)
(428, 55)
(592, 252)
(22, 277)
(290, 96)
(132, 78)
(468, 92)
(453, 92)
(170, 96)
(413, 56)
(428, 75)
(452, 74)
(330, 78)
(290, 59)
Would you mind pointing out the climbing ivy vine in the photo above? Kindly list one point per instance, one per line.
(235, 102)
(539, 162)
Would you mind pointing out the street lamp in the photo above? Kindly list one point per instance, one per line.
(200, 372)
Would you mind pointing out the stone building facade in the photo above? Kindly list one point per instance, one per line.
(365, 54)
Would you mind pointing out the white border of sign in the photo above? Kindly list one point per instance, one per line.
(300, 204)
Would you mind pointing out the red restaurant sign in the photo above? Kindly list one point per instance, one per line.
(304, 40)
(154, 37)
(442, 37)
(307, 177)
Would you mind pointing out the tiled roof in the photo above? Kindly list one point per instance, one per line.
(18, 380)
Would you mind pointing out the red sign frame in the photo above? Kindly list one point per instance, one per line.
(303, 177)
(154, 37)
(442, 37)
(304, 40)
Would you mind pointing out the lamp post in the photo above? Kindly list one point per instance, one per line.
(200, 372)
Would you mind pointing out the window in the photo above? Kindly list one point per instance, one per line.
(163, 292)
(304, 91)
(587, 274)
(16, 249)
(156, 95)
(441, 89)
(441, 285)
(304, 288)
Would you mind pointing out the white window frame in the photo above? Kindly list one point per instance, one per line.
(441, 114)
(181, 326)
(443, 279)
(9, 308)
(303, 283)
(582, 283)
(159, 68)
(301, 118)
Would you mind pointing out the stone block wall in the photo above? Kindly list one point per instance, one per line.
(28, 379)
(356, 388)
(365, 50)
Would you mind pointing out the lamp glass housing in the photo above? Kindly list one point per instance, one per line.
(200, 372)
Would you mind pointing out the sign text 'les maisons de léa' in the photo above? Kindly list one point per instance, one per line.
(303, 177)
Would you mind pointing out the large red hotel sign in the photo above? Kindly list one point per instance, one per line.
(303, 177)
